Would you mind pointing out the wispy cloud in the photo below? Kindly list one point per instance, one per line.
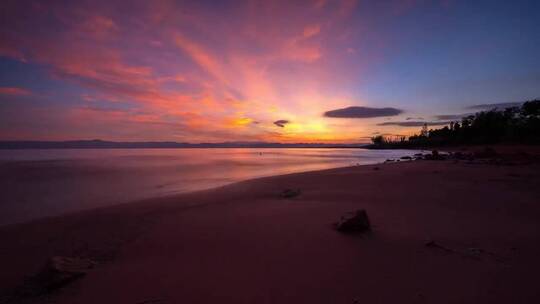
(452, 116)
(15, 91)
(490, 106)
(413, 123)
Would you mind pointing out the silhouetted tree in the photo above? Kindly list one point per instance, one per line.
(377, 140)
(424, 131)
(515, 124)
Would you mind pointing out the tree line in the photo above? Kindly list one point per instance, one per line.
(519, 124)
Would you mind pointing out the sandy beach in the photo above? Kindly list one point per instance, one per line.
(442, 232)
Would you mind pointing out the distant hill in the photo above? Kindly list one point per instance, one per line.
(101, 144)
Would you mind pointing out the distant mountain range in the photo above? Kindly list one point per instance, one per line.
(101, 144)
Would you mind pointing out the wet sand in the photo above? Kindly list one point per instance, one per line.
(443, 232)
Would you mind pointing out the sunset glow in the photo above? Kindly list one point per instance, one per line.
(201, 71)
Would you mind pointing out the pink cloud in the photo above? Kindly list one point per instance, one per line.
(312, 30)
(14, 91)
(183, 69)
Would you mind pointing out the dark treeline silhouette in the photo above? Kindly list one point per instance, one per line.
(511, 125)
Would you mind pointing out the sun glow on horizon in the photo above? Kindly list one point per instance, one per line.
(244, 71)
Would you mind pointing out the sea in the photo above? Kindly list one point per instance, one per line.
(38, 183)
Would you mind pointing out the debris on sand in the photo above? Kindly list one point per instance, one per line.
(435, 155)
(150, 301)
(60, 271)
(488, 152)
(354, 222)
(290, 193)
(434, 244)
(472, 252)
(462, 156)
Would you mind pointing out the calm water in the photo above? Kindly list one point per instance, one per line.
(37, 183)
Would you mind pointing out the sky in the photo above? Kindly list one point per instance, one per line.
(278, 71)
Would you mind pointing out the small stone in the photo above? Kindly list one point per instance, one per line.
(434, 244)
(474, 250)
(290, 193)
(354, 222)
(430, 243)
(435, 155)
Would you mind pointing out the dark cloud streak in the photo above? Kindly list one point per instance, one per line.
(362, 112)
(281, 123)
(490, 106)
(452, 116)
(413, 123)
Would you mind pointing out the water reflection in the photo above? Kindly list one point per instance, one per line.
(39, 183)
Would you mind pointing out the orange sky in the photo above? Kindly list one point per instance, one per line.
(200, 71)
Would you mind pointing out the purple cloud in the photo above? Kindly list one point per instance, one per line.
(414, 123)
(362, 112)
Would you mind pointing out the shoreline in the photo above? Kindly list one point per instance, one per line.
(37, 185)
(194, 192)
(272, 249)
